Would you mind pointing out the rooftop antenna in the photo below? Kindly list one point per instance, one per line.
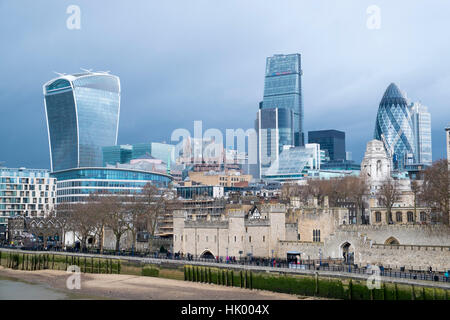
(86, 70)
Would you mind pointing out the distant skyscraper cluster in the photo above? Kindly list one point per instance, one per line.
(405, 129)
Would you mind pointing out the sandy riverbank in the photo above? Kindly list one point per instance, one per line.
(115, 286)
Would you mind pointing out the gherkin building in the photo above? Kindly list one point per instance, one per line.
(394, 126)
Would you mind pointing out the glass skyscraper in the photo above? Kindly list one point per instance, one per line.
(283, 90)
(422, 132)
(333, 141)
(405, 129)
(280, 118)
(82, 116)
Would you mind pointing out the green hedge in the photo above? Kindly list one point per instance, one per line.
(150, 272)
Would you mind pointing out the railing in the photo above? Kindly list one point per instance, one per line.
(329, 264)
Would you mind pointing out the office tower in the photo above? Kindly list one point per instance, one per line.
(394, 126)
(123, 154)
(82, 116)
(404, 128)
(422, 132)
(332, 141)
(280, 117)
(117, 154)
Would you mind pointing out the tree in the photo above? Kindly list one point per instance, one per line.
(81, 221)
(136, 209)
(436, 189)
(101, 206)
(357, 189)
(415, 189)
(156, 204)
(388, 195)
(118, 217)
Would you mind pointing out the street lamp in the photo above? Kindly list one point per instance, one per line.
(320, 256)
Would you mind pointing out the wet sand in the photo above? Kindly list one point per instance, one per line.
(118, 286)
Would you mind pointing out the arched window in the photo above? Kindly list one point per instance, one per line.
(392, 241)
(410, 216)
(378, 216)
(423, 216)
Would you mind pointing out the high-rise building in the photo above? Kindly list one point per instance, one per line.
(332, 141)
(422, 132)
(404, 128)
(123, 154)
(82, 116)
(26, 192)
(280, 117)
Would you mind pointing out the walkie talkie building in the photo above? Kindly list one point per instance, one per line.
(82, 117)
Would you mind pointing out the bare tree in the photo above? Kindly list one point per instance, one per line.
(388, 195)
(436, 189)
(156, 205)
(101, 207)
(415, 189)
(357, 189)
(136, 209)
(118, 217)
(81, 221)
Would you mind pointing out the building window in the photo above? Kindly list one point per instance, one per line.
(410, 216)
(423, 216)
(398, 216)
(181, 238)
(298, 236)
(316, 235)
(215, 238)
(264, 238)
(206, 238)
(234, 238)
(250, 239)
(378, 216)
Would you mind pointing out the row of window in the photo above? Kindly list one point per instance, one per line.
(399, 216)
(215, 238)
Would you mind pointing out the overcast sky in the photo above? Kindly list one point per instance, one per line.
(187, 60)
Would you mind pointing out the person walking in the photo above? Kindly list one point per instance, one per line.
(446, 276)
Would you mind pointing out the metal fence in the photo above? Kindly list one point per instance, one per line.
(333, 265)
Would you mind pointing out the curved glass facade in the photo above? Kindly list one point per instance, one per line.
(82, 117)
(394, 126)
(75, 185)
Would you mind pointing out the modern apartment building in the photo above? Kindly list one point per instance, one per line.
(26, 192)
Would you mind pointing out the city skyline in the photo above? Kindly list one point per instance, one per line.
(153, 108)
